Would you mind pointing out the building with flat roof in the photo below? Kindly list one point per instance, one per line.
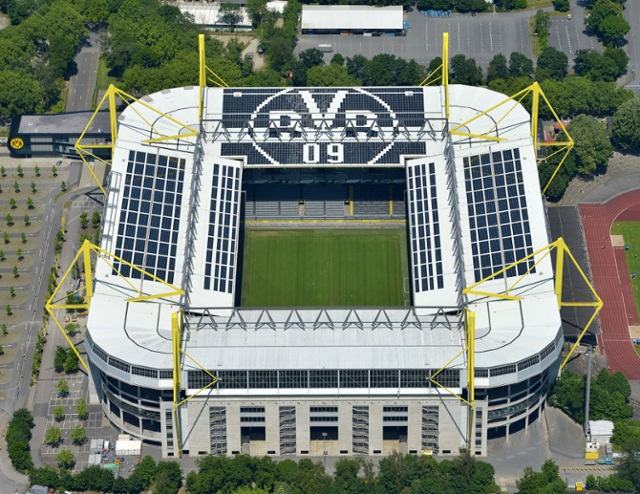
(323, 380)
(359, 19)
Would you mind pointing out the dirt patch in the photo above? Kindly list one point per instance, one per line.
(224, 38)
(4, 21)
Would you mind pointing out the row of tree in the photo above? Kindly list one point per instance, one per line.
(605, 20)
(409, 474)
(37, 52)
(17, 438)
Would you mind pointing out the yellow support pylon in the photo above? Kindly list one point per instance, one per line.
(562, 253)
(512, 102)
(86, 149)
(84, 253)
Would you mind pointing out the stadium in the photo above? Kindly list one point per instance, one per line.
(323, 271)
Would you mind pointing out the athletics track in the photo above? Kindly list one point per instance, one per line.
(611, 280)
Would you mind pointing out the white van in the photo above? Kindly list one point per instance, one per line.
(325, 48)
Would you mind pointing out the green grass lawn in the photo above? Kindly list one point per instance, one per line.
(305, 268)
(630, 230)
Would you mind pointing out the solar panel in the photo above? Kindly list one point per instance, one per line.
(498, 217)
(223, 229)
(424, 231)
(149, 216)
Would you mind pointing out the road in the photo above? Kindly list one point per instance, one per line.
(82, 84)
(632, 14)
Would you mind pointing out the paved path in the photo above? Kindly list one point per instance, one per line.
(82, 84)
(614, 339)
(632, 14)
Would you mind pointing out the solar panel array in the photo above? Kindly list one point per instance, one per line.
(424, 229)
(149, 217)
(498, 217)
(223, 229)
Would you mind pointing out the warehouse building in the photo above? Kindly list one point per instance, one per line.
(354, 19)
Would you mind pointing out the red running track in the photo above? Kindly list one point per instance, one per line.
(611, 281)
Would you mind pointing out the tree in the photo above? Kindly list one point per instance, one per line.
(601, 67)
(34, 189)
(36, 170)
(3, 328)
(625, 430)
(3, 171)
(30, 203)
(552, 64)
(16, 187)
(12, 203)
(167, 478)
(311, 57)
(12, 292)
(59, 358)
(82, 410)
(20, 94)
(337, 59)
(546, 481)
(498, 68)
(143, 473)
(606, 21)
(62, 388)
(71, 329)
(63, 186)
(465, 71)
(628, 466)
(16, 273)
(71, 363)
(3, 256)
(84, 220)
(58, 413)
(1, 350)
(330, 75)
(592, 146)
(95, 219)
(54, 170)
(53, 436)
(66, 459)
(625, 130)
(561, 5)
(541, 27)
(95, 478)
(27, 220)
(45, 476)
(20, 171)
(17, 437)
(8, 219)
(78, 435)
(8, 310)
(5, 237)
(20, 255)
(230, 14)
(23, 237)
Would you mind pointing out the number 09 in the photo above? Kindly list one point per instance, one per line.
(311, 153)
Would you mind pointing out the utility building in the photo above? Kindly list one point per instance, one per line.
(356, 19)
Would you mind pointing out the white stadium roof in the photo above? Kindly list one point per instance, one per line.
(351, 18)
(493, 185)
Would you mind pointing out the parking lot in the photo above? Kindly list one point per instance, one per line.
(567, 35)
(480, 37)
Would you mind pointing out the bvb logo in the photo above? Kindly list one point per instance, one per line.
(16, 143)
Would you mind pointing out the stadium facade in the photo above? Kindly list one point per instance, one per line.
(315, 381)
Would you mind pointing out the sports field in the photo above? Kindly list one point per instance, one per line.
(630, 230)
(334, 268)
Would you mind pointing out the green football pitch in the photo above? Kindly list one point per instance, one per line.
(333, 268)
(630, 230)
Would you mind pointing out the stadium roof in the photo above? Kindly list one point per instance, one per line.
(471, 212)
(351, 18)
